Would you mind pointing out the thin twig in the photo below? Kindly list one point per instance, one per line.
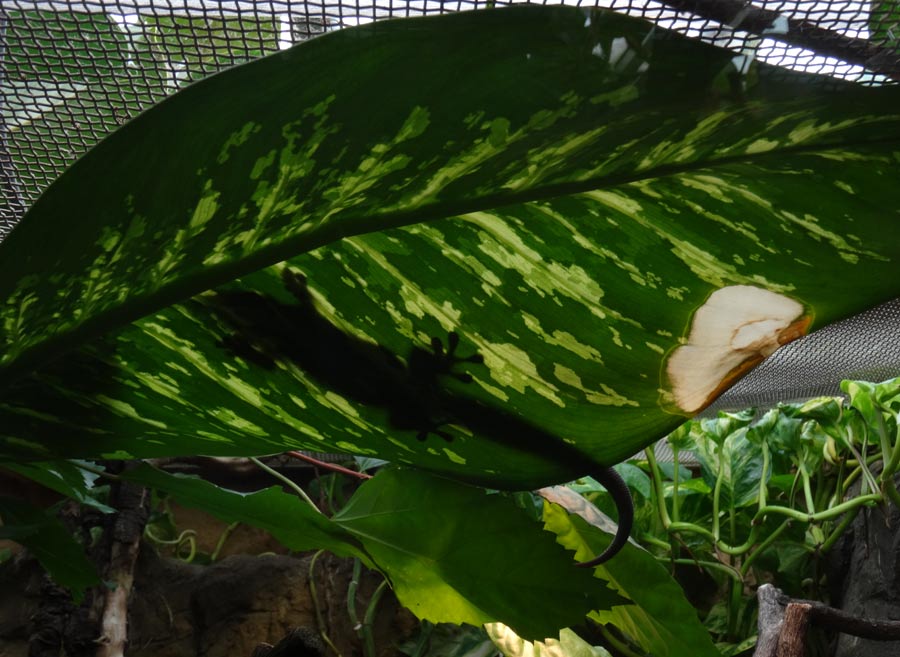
(805, 34)
(329, 466)
(286, 481)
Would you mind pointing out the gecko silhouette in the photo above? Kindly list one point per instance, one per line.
(266, 330)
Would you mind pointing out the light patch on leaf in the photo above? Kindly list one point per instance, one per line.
(125, 409)
(383, 158)
(846, 251)
(236, 139)
(414, 297)
(205, 209)
(228, 416)
(814, 128)
(503, 244)
(605, 397)
(761, 145)
(423, 306)
(668, 151)
(197, 359)
(732, 332)
(494, 391)
(562, 339)
(453, 456)
(627, 205)
(339, 403)
(707, 267)
(616, 337)
(511, 367)
(28, 446)
(354, 449)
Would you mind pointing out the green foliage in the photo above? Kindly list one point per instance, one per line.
(66, 478)
(775, 494)
(661, 621)
(51, 543)
(451, 551)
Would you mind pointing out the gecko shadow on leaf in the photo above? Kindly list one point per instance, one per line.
(267, 331)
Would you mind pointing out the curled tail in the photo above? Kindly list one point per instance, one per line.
(617, 488)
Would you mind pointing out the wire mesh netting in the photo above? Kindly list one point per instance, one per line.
(72, 71)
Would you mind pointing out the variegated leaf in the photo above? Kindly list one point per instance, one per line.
(602, 211)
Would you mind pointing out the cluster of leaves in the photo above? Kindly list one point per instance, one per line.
(771, 496)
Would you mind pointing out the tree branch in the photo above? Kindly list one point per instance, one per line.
(800, 33)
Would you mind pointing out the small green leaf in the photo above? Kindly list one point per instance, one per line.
(64, 477)
(289, 519)
(46, 538)
(660, 620)
(737, 460)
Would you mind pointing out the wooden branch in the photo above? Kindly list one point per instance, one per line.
(783, 622)
(840, 621)
(131, 501)
(771, 618)
(792, 639)
(804, 34)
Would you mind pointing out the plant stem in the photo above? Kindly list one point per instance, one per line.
(656, 478)
(675, 477)
(617, 643)
(711, 565)
(425, 630)
(771, 538)
(838, 530)
(891, 490)
(827, 514)
(717, 491)
(764, 475)
(807, 490)
(221, 542)
(887, 450)
(736, 592)
(287, 482)
(649, 539)
(894, 461)
(320, 620)
(369, 619)
(351, 597)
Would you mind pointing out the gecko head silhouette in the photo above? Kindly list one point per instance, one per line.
(731, 333)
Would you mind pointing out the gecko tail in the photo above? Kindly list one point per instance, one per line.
(618, 489)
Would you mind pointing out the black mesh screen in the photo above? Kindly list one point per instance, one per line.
(71, 71)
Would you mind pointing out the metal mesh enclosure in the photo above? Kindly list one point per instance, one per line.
(72, 71)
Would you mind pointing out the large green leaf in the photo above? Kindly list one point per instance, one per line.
(609, 214)
(452, 552)
(660, 620)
